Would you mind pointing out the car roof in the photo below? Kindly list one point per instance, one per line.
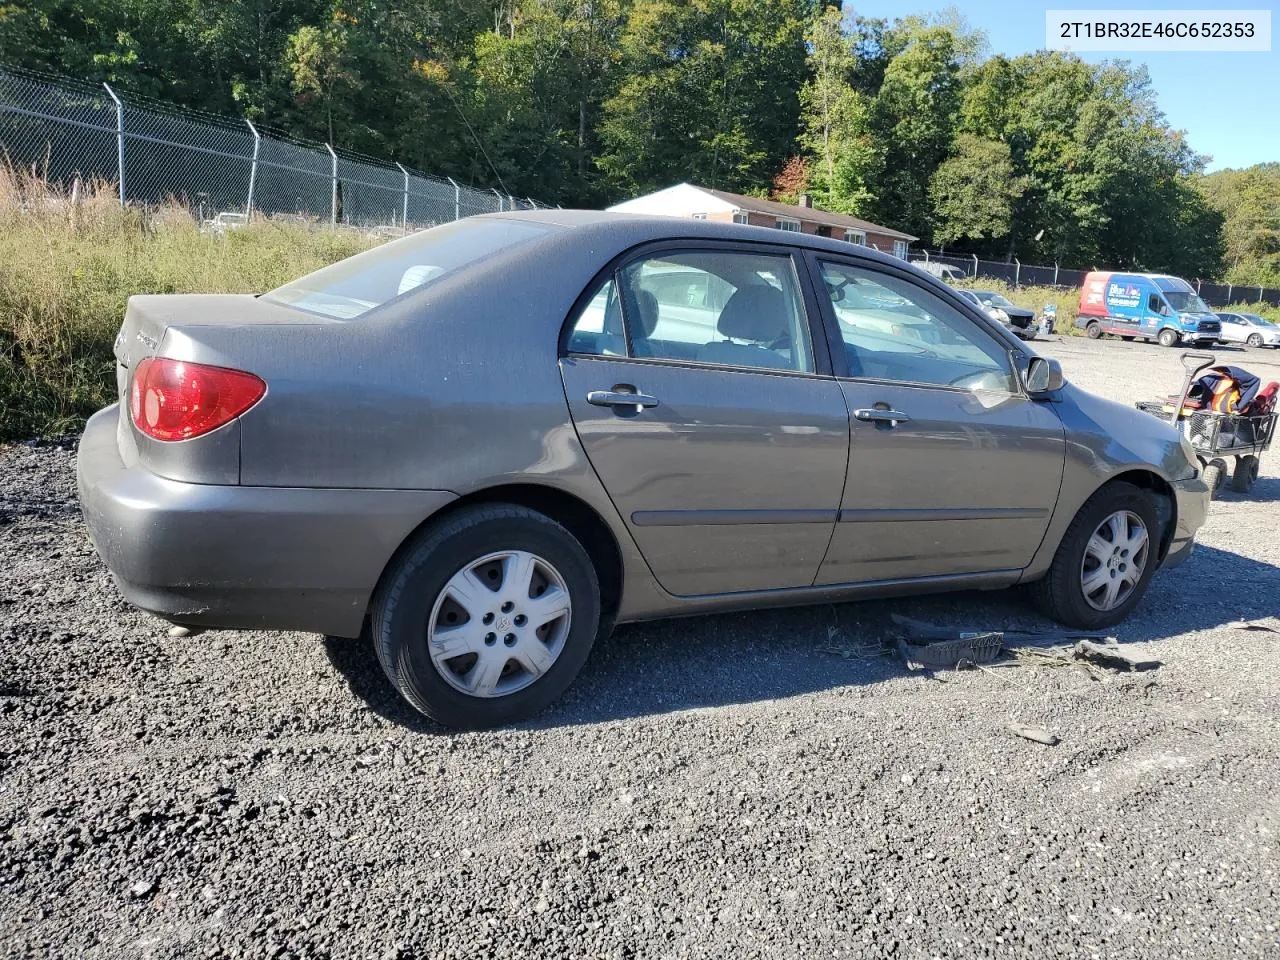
(632, 228)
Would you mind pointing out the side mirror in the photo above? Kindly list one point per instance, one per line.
(1043, 376)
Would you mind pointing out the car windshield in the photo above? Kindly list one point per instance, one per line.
(1186, 302)
(1257, 321)
(352, 287)
(993, 299)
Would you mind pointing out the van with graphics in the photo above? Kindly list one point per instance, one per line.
(1146, 306)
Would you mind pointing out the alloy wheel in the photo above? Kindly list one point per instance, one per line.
(499, 624)
(1114, 560)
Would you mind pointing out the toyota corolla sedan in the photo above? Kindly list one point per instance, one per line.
(485, 444)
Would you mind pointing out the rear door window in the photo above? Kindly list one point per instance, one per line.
(718, 307)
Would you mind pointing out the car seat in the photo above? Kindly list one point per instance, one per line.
(642, 314)
(1264, 402)
(756, 314)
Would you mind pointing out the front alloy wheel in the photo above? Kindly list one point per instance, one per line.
(1105, 559)
(1115, 558)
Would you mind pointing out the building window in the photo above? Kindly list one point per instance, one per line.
(900, 249)
(824, 230)
(699, 216)
(740, 217)
(784, 224)
(855, 236)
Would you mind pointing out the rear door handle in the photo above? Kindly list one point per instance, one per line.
(891, 417)
(620, 398)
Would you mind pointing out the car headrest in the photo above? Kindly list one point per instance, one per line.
(646, 313)
(756, 313)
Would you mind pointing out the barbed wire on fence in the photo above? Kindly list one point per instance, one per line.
(1017, 274)
(156, 152)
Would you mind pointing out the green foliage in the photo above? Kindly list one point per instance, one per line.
(974, 190)
(907, 122)
(1249, 202)
(837, 134)
(709, 95)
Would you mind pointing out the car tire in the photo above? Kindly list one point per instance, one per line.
(1254, 340)
(1093, 331)
(417, 603)
(1062, 593)
(1168, 337)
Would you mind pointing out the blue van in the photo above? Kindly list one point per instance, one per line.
(1149, 306)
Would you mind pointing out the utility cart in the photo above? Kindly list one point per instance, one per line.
(1244, 434)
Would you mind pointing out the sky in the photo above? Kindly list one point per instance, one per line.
(1225, 101)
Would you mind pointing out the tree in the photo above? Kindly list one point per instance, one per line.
(709, 93)
(321, 66)
(913, 116)
(973, 191)
(1249, 203)
(538, 82)
(836, 133)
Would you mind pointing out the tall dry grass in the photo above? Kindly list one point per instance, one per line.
(68, 265)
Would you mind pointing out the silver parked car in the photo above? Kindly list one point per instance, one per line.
(486, 443)
(1249, 329)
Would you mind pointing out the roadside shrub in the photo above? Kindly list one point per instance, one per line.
(68, 266)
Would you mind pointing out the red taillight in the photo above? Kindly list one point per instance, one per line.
(177, 400)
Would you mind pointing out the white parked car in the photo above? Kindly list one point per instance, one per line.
(225, 221)
(943, 271)
(1248, 328)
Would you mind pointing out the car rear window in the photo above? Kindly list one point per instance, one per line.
(352, 287)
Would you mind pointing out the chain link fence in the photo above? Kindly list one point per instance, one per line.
(221, 169)
(1017, 274)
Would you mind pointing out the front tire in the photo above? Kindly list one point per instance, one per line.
(1105, 561)
(1168, 337)
(1093, 331)
(487, 617)
(1254, 340)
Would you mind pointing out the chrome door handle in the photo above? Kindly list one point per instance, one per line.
(620, 398)
(891, 417)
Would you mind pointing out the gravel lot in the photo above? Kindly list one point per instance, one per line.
(759, 785)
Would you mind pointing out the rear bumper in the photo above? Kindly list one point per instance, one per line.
(238, 557)
(1191, 501)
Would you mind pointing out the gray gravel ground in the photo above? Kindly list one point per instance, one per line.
(747, 785)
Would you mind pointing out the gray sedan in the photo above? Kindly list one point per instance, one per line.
(486, 443)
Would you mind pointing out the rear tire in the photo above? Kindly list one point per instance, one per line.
(1168, 337)
(1245, 473)
(486, 567)
(1093, 331)
(1062, 595)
